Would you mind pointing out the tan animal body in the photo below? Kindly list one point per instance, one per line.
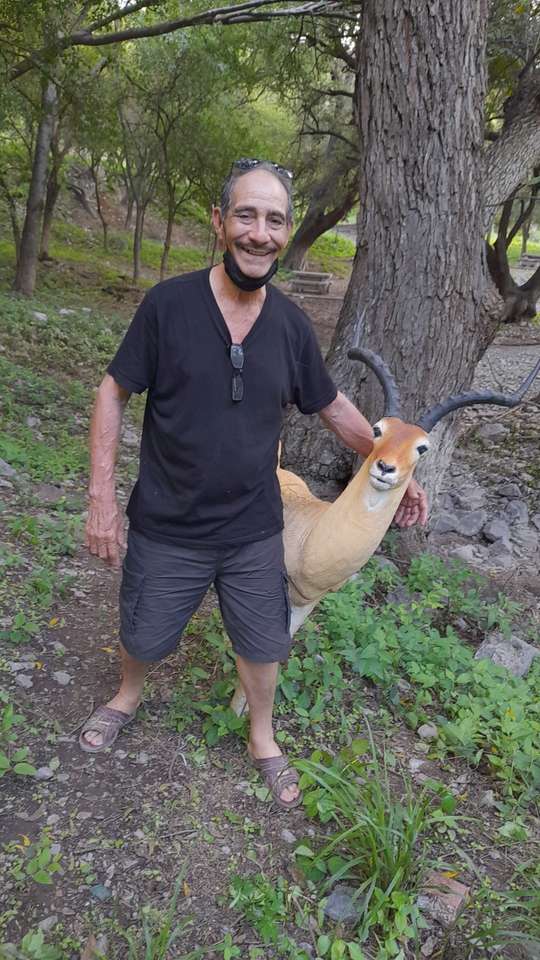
(326, 543)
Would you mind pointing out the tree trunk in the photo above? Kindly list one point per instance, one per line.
(25, 277)
(53, 189)
(94, 170)
(315, 223)
(171, 210)
(12, 208)
(140, 210)
(525, 230)
(318, 218)
(417, 279)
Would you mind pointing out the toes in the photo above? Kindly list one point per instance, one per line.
(289, 794)
(93, 738)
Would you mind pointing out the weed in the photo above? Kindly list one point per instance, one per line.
(34, 861)
(12, 759)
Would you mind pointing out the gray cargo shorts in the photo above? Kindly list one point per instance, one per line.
(163, 585)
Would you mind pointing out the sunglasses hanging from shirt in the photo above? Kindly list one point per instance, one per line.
(236, 354)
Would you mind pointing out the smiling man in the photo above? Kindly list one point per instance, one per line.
(222, 354)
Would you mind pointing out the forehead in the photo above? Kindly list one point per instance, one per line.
(259, 188)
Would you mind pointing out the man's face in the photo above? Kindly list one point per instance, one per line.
(254, 229)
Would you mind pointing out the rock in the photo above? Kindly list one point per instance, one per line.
(47, 924)
(442, 899)
(514, 654)
(491, 431)
(488, 799)
(40, 317)
(466, 553)
(130, 437)
(470, 498)
(427, 948)
(6, 470)
(525, 539)
(306, 948)
(415, 763)
(500, 548)
(86, 310)
(59, 647)
(48, 492)
(445, 502)
(14, 667)
(120, 754)
(53, 819)
(62, 777)
(510, 490)
(66, 312)
(400, 595)
(61, 677)
(467, 523)
(226, 850)
(100, 892)
(342, 904)
(24, 680)
(44, 773)
(496, 530)
(531, 949)
(84, 815)
(404, 687)
(32, 422)
(535, 520)
(6, 484)
(385, 563)
(428, 731)
(142, 758)
(288, 836)
(517, 511)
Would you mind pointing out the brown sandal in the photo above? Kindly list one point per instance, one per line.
(278, 774)
(108, 723)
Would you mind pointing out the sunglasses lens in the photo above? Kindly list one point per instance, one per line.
(237, 356)
(237, 387)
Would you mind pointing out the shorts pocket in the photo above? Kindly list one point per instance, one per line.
(287, 601)
(130, 598)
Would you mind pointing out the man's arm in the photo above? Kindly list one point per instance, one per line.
(342, 417)
(105, 526)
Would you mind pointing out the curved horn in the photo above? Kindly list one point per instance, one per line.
(428, 420)
(392, 403)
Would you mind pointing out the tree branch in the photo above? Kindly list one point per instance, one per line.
(248, 12)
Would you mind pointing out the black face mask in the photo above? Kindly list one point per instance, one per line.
(240, 279)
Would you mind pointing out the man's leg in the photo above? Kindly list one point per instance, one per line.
(129, 695)
(259, 682)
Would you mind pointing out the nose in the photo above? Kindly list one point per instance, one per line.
(258, 231)
(385, 467)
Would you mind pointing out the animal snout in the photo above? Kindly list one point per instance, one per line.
(385, 467)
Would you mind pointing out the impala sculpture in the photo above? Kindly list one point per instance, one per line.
(326, 543)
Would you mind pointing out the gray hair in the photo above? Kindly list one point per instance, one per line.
(237, 172)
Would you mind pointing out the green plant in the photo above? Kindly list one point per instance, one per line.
(380, 844)
(160, 930)
(31, 947)
(36, 862)
(12, 759)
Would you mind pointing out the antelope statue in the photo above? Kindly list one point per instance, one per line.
(326, 543)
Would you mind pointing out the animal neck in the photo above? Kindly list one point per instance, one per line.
(344, 537)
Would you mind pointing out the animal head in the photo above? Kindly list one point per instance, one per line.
(397, 445)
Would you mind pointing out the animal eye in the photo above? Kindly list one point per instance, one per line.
(422, 448)
(377, 432)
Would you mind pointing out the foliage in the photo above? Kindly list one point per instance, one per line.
(31, 947)
(483, 713)
(34, 861)
(13, 759)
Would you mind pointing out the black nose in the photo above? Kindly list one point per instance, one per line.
(385, 467)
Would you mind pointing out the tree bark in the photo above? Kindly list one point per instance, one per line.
(25, 277)
(417, 278)
(94, 171)
(53, 189)
(140, 211)
(171, 211)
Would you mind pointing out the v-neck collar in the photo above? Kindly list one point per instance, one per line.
(219, 319)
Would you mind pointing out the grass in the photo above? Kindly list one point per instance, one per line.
(332, 253)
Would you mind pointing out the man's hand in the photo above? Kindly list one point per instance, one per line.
(104, 532)
(413, 508)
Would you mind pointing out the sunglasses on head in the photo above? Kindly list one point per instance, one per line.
(248, 163)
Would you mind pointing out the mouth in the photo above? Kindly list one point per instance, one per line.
(379, 483)
(252, 252)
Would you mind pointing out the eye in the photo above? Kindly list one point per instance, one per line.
(377, 432)
(422, 448)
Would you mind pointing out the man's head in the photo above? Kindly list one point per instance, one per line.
(254, 219)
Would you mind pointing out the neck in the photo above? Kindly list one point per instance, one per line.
(224, 287)
(345, 536)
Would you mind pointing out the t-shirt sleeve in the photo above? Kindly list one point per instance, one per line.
(314, 388)
(134, 364)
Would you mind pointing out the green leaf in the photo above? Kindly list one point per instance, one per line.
(303, 851)
(323, 944)
(355, 952)
(4, 762)
(41, 876)
(26, 769)
(359, 747)
(448, 803)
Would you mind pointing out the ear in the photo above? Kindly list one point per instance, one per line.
(217, 223)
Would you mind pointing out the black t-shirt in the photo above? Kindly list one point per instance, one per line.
(207, 472)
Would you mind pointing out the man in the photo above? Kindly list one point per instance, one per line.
(221, 354)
